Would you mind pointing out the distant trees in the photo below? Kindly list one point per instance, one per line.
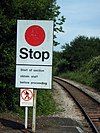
(78, 52)
(81, 55)
(81, 50)
(10, 11)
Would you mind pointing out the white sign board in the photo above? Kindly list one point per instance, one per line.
(26, 97)
(34, 54)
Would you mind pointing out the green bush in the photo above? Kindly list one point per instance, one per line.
(10, 12)
(45, 103)
(97, 80)
(92, 66)
(89, 74)
(79, 76)
(61, 66)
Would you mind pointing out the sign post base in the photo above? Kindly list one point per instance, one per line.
(26, 117)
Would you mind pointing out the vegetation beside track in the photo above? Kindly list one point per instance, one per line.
(45, 105)
(80, 61)
(10, 12)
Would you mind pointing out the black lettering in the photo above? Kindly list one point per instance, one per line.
(30, 51)
(23, 52)
(37, 55)
(45, 55)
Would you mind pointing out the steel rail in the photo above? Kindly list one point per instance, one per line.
(94, 129)
(96, 100)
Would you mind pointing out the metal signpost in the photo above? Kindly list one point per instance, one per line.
(34, 112)
(26, 99)
(33, 60)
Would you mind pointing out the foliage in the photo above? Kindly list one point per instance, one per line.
(46, 104)
(78, 76)
(93, 67)
(80, 61)
(61, 66)
(10, 12)
(81, 50)
(89, 74)
(97, 80)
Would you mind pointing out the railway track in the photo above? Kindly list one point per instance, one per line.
(89, 106)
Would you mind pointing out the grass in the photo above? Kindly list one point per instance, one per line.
(82, 77)
(45, 105)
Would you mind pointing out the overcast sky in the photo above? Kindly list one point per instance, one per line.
(82, 18)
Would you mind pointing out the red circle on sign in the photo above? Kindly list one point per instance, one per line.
(35, 35)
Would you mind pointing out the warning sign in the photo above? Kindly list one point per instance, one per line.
(26, 97)
(34, 54)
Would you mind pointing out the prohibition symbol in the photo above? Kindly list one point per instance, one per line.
(26, 95)
(35, 35)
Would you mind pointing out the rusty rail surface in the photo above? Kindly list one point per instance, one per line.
(89, 106)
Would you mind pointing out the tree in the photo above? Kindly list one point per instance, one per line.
(10, 11)
(93, 67)
(81, 50)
